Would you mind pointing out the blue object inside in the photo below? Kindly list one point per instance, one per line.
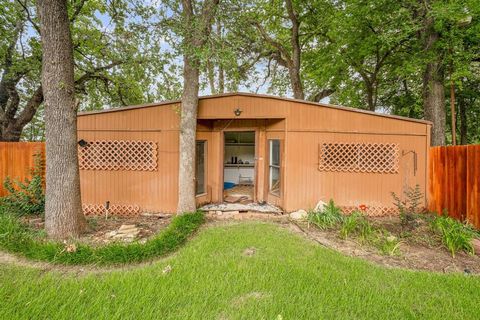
(228, 185)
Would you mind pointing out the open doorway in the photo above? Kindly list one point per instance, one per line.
(239, 167)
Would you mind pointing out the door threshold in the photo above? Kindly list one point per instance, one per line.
(253, 207)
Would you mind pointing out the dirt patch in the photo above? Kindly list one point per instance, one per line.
(255, 295)
(419, 248)
(123, 229)
(249, 252)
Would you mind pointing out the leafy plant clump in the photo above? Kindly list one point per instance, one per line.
(409, 207)
(387, 244)
(455, 235)
(357, 224)
(27, 197)
(17, 238)
(330, 217)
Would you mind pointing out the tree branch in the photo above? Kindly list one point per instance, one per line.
(29, 16)
(78, 8)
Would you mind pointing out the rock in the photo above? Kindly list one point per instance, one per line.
(391, 238)
(111, 234)
(230, 214)
(70, 248)
(299, 215)
(219, 213)
(249, 252)
(167, 269)
(476, 246)
(125, 227)
(320, 206)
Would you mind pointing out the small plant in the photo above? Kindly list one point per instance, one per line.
(350, 224)
(387, 244)
(456, 236)
(356, 223)
(27, 197)
(409, 207)
(329, 217)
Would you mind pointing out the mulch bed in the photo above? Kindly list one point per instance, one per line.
(420, 249)
(102, 231)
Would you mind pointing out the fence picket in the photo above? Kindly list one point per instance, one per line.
(454, 182)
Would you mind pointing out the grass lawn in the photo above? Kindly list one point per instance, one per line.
(286, 277)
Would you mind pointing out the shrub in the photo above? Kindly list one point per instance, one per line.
(16, 237)
(456, 236)
(27, 197)
(329, 217)
(410, 206)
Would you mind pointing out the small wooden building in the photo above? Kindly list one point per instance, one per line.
(286, 152)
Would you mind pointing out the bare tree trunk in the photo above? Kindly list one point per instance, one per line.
(463, 121)
(211, 76)
(370, 97)
(321, 94)
(221, 71)
(434, 102)
(221, 79)
(188, 128)
(195, 36)
(294, 67)
(63, 208)
(433, 88)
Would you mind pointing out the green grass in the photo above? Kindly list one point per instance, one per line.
(16, 238)
(211, 278)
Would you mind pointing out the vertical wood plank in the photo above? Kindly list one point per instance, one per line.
(17, 160)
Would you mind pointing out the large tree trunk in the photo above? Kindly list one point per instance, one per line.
(63, 209)
(434, 102)
(294, 65)
(370, 97)
(188, 128)
(196, 32)
(462, 110)
(433, 78)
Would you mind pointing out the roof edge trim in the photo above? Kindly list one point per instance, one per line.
(265, 96)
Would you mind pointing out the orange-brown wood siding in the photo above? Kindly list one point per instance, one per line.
(301, 127)
(154, 191)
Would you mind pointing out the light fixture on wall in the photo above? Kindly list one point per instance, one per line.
(82, 143)
(237, 112)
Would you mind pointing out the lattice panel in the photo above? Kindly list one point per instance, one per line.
(371, 211)
(129, 155)
(116, 209)
(359, 157)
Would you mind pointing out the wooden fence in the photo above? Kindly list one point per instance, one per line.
(17, 160)
(454, 182)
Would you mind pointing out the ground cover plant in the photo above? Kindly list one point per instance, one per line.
(455, 235)
(248, 270)
(354, 225)
(18, 238)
